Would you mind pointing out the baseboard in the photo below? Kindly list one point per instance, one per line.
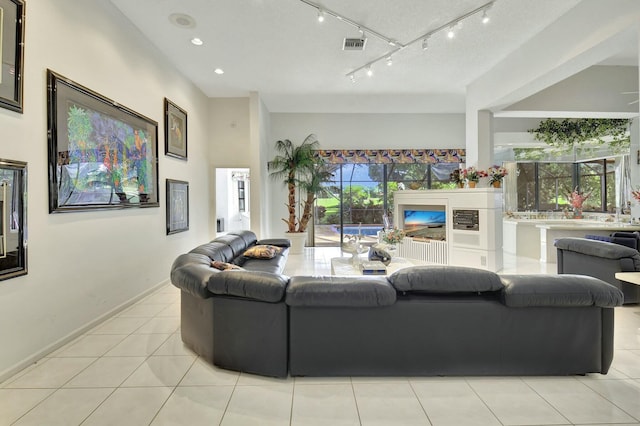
(11, 371)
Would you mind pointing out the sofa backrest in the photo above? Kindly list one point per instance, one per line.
(445, 279)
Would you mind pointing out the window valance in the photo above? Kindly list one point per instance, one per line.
(387, 156)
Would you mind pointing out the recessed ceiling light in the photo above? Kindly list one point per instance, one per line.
(219, 71)
(197, 41)
(181, 20)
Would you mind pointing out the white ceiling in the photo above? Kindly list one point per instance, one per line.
(277, 48)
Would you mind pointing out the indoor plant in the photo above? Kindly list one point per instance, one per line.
(576, 199)
(393, 236)
(303, 173)
(496, 174)
(473, 175)
(456, 178)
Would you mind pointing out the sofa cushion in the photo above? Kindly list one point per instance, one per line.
(249, 237)
(559, 290)
(235, 242)
(445, 279)
(339, 291)
(215, 251)
(254, 285)
(262, 252)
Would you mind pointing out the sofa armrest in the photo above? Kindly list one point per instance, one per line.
(263, 286)
(279, 242)
(190, 272)
(559, 290)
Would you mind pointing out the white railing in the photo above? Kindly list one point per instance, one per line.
(431, 251)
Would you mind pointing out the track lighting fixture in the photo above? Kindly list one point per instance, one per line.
(450, 27)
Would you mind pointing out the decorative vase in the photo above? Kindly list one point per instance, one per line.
(460, 184)
(297, 241)
(472, 184)
(496, 184)
(577, 213)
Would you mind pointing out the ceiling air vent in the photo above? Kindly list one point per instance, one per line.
(354, 43)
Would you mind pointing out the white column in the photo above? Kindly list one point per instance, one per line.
(485, 139)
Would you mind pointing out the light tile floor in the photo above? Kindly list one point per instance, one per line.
(134, 370)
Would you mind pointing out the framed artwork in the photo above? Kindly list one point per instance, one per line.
(101, 154)
(175, 130)
(13, 218)
(177, 206)
(11, 53)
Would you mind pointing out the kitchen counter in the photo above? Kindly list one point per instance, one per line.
(534, 238)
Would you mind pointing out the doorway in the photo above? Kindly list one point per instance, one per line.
(232, 200)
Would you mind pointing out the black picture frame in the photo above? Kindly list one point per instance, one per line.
(177, 206)
(13, 218)
(175, 130)
(102, 155)
(12, 54)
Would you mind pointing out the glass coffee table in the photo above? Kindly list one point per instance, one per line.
(344, 266)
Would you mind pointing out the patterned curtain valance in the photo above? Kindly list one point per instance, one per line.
(385, 156)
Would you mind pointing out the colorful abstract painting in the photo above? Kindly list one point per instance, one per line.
(105, 155)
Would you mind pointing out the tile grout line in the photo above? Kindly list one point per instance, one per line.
(419, 402)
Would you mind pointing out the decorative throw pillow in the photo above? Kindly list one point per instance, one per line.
(262, 252)
(224, 266)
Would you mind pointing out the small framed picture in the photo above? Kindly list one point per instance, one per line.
(177, 206)
(175, 130)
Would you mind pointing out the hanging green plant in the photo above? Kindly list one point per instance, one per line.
(575, 131)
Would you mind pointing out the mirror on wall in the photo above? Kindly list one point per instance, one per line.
(13, 229)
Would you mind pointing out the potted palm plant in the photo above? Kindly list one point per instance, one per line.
(303, 173)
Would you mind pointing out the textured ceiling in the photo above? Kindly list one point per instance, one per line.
(277, 48)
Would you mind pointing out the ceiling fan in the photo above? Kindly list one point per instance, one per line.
(631, 93)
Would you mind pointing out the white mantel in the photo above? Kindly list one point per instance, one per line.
(481, 248)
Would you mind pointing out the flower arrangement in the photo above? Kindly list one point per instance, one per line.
(577, 198)
(456, 177)
(393, 236)
(471, 174)
(496, 173)
(636, 194)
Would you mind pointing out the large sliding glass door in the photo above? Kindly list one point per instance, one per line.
(358, 196)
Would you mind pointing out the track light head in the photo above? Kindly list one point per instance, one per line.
(389, 60)
(352, 78)
(425, 43)
(369, 71)
(485, 17)
(451, 32)
(320, 15)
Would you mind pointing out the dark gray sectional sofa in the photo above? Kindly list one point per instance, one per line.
(427, 320)
(600, 259)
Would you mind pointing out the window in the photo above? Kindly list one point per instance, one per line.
(546, 186)
(241, 197)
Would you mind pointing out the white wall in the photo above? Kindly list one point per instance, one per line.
(372, 131)
(84, 265)
(229, 120)
(358, 131)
